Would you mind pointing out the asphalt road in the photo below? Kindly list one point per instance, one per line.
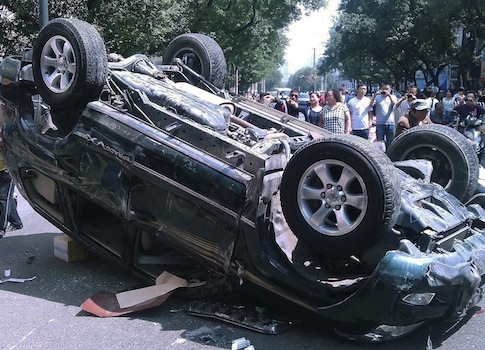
(45, 313)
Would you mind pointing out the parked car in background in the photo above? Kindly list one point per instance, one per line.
(154, 167)
(304, 99)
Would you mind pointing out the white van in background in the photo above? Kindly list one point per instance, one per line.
(283, 93)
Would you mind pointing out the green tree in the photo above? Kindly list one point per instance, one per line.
(273, 80)
(18, 25)
(417, 35)
(137, 26)
(361, 43)
(467, 17)
(303, 79)
(251, 33)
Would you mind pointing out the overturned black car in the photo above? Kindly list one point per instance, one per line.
(156, 168)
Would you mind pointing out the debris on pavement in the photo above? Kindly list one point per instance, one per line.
(17, 280)
(240, 316)
(241, 344)
(108, 304)
(105, 304)
(164, 283)
(68, 249)
(206, 335)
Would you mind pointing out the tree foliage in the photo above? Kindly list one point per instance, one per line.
(384, 40)
(251, 33)
(303, 79)
(137, 26)
(273, 80)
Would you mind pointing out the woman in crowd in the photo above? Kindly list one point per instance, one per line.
(448, 101)
(314, 111)
(335, 115)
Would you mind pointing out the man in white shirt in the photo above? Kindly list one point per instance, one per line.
(383, 102)
(360, 112)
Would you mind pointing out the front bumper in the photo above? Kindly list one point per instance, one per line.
(454, 280)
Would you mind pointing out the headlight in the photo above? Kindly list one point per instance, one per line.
(419, 299)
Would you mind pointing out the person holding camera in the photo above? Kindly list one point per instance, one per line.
(402, 105)
(469, 107)
(289, 106)
(383, 102)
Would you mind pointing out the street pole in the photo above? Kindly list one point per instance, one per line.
(43, 13)
(314, 72)
(236, 88)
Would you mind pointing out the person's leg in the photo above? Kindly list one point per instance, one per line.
(390, 132)
(13, 216)
(364, 133)
(4, 186)
(380, 130)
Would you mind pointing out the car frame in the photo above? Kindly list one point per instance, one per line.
(154, 167)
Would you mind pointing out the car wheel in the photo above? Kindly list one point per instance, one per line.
(201, 53)
(69, 63)
(340, 195)
(455, 163)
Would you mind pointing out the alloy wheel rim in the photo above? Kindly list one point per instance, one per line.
(332, 197)
(58, 64)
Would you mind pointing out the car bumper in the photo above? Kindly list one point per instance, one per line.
(410, 288)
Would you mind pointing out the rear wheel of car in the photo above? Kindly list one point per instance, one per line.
(69, 63)
(340, 195)
(455, 163)
(201, 53)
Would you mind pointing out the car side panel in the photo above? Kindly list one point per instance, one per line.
(184, 196)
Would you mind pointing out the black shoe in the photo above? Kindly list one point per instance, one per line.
(2, 233)
(14, 228)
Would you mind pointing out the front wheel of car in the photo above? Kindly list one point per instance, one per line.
(455, 163)
(340, 195)
(200, 53)
(69, 63)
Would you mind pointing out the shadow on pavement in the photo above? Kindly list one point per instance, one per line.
(71, 284)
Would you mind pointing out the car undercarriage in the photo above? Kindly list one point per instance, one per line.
(156, 168)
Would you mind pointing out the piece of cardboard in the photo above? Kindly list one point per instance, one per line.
(165, 283)
(104, 304)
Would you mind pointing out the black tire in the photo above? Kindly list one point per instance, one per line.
(69, 63)
(342, 180)
(455, 163)
(201, 53)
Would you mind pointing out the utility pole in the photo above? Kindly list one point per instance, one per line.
(236, 87)
(314, 72)
(43, 13)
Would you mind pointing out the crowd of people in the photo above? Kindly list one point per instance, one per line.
(390, 112)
